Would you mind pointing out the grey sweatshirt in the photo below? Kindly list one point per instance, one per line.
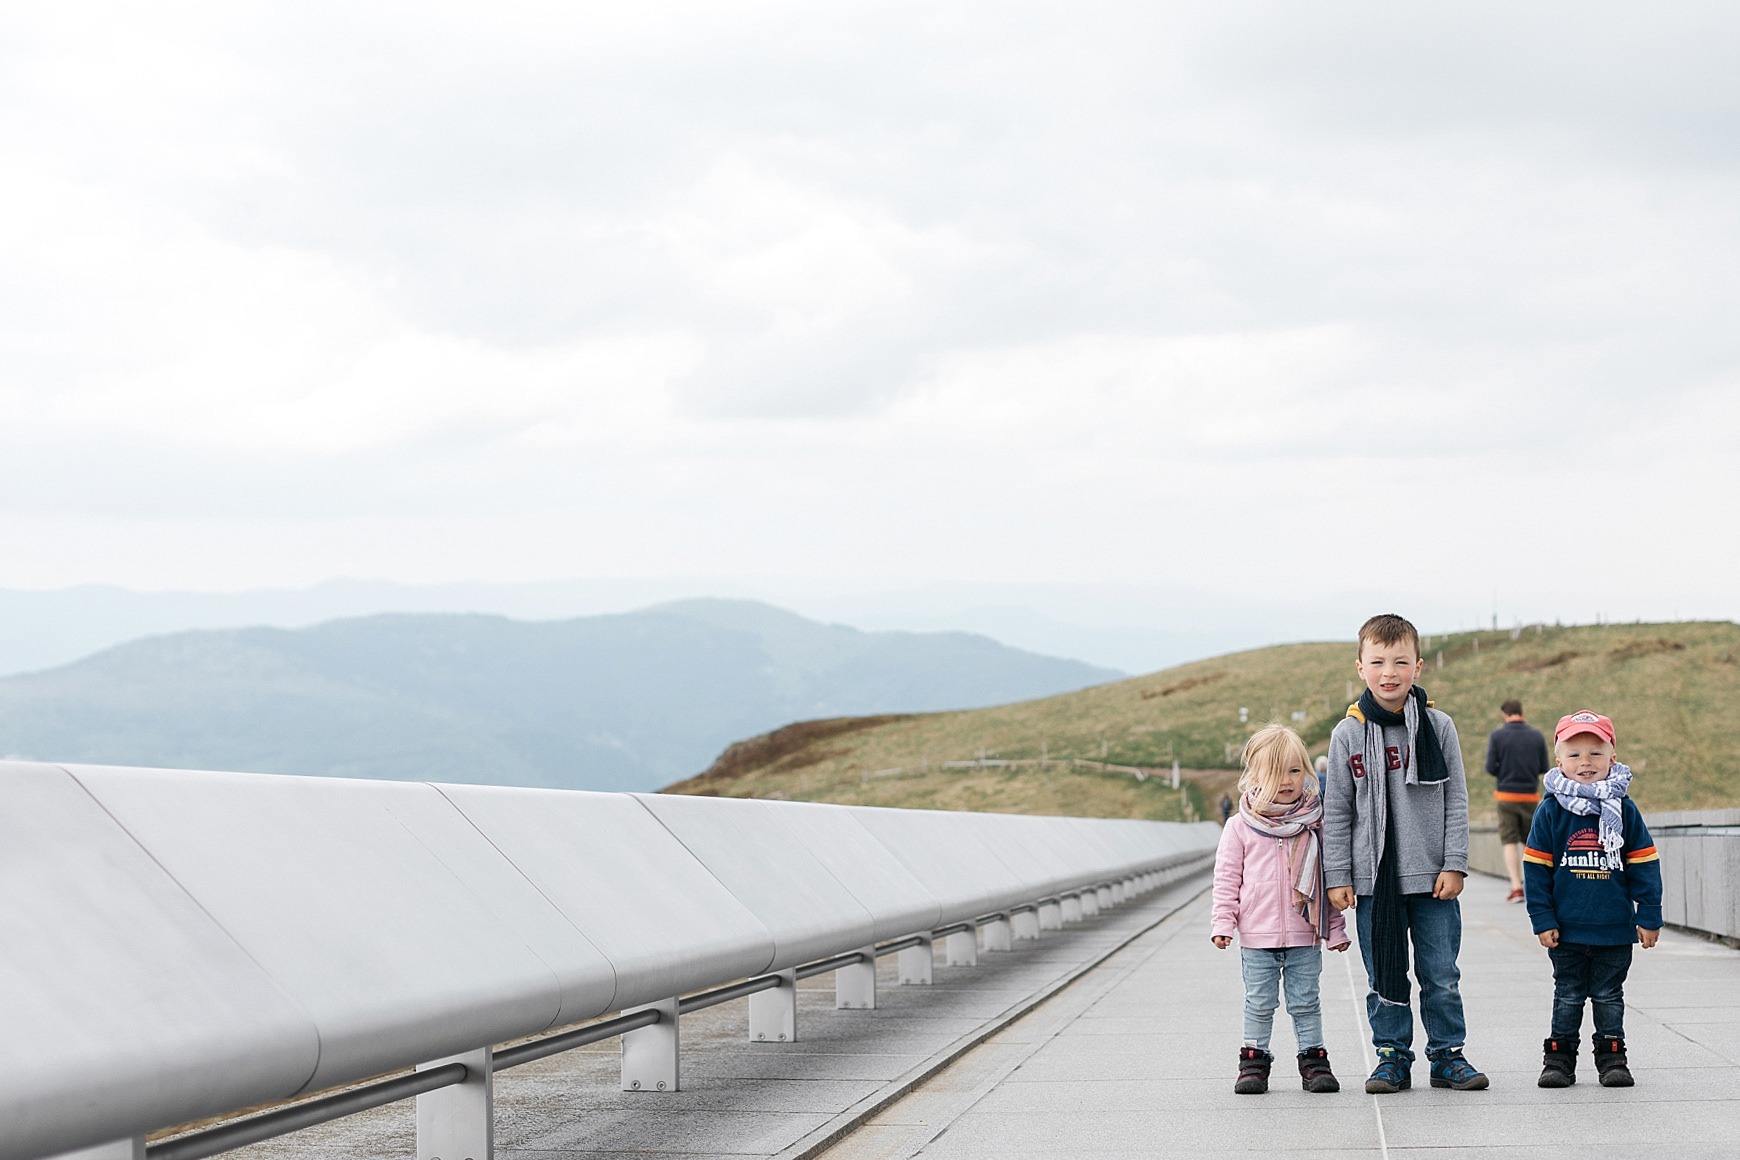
(1431, 820)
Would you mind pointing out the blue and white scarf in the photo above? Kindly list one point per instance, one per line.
(1603, 797)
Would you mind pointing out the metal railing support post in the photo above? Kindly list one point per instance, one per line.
(1051, 916)
(1026, 924)
(773, 1013)
(458, 1122)
(132, 1148)
(916, 963)
(1118, 892)
(1103, 896)
(1070, 908)
(1090, 903)
(997, 934)
(855, 983)
(650, 1054)
(962, 949)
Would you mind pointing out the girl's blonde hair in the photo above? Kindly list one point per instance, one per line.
(1270, 752)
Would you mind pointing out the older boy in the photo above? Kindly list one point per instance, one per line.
(1594, 888)
(1395, 834)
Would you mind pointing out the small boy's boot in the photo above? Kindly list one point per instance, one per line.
(1558, 1062)
(1253, 1071)
(1610, 1061)
(1314, 1073)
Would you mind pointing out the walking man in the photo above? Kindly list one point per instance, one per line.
(1516, 754)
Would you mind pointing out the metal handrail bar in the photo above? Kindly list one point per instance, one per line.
(953, 928)
(901, 944)
(823, 966)
(725, 994)
(562, 1041)
(239, 1133)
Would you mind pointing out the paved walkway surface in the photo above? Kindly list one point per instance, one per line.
(1137, 1059)
(759, 1099)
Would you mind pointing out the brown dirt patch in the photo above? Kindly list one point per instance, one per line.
(1181, 686)
(791, 747)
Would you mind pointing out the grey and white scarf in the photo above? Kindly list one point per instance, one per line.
(1603, 797)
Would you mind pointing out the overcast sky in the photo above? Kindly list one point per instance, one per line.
(1261, 299)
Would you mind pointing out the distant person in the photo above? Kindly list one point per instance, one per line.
(1321, 767)
(1268, 890)
(1226, 808)
(1395, 835)
(1594, 888)
(1516, 754)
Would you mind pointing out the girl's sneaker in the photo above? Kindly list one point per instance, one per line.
(1450, 1070)
(1558, 1063)
(1610, 1061)
(1394, 1073)
(1314, 1073)
(1253, 1071)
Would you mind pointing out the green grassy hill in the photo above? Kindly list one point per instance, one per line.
(1665, 685)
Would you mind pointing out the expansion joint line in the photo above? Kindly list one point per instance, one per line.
(1377, 1111)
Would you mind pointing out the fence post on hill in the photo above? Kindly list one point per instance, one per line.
(458, 1122)
(916, 963)
(855, 983)
(650, 1054)
(773, 1013)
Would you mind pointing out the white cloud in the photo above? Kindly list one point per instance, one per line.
(592, 289)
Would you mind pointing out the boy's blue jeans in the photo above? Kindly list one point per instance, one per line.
(1580, 972)
(1265, 969)
(1435, 925)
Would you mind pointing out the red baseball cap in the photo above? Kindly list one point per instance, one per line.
(1584, 721)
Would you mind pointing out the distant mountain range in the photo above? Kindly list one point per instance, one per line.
(626, 701)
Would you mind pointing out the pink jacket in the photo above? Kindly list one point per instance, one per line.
(1252, 897)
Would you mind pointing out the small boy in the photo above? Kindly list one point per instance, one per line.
(1594, 887)
(1395, 834)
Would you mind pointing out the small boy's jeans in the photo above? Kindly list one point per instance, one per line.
(1435, 925)
(1580, 972)
(1265, 969)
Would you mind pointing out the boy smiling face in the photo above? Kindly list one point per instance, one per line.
(1389, 670)
(1585, 758)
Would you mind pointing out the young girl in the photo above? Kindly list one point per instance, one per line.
(1268, 890)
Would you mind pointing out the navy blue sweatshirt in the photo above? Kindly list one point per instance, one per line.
(1588, 895)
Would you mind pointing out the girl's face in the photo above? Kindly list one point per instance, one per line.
(1291, 785)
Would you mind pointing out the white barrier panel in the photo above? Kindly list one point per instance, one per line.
(181, 944)
(371, 903)
(663, 921)
(123, 1004)
(745, 846)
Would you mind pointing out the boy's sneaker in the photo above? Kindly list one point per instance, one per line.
(1394, 1073)
(1450, 1070)
(1253, 1071)
(1314, 1073)
(1558, 1063)
(1610, 1061)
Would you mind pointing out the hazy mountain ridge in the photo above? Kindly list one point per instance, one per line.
(610, 702)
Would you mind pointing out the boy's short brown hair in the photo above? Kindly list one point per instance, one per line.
(1511, 708)
(1388, 628)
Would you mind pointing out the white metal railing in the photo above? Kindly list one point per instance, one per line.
(182, 944)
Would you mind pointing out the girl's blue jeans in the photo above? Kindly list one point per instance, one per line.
(1267, 971)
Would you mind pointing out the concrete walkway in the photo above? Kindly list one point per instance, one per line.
(1137, 1059)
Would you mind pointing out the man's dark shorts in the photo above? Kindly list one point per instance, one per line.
(1513, 822)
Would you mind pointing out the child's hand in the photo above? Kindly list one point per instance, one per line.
(1647, 937)
(1222, 940)
(1341, 897)
(1340, 946)
(1549, 938)
(1448, 885)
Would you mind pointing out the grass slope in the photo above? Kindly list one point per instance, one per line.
(1665, 685)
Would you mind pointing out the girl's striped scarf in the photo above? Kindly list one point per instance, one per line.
(1604, 797)
(1296, 823)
